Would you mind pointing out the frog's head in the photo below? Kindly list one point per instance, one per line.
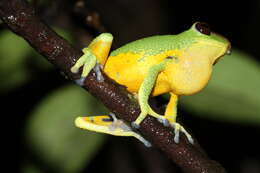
(203, 43)
(201, 49)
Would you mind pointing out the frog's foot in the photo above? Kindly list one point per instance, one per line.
(177, 128)
(99, 76)
(88, 62)
(109, 124)
(97, 70)
(135, 125)
(164, 121)
(80, 81)
(144, 113)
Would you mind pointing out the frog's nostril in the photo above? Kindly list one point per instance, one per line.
(229, 51)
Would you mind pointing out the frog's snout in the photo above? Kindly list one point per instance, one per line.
(229, 51)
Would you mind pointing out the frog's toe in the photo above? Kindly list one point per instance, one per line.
(113, 116)
(80, 62)
(80, 81)
(190, 139)
(74, 69)
(164, 121)
(97, 70)
(177, 135)
(177, 128)
(147, 143)
(135, 125)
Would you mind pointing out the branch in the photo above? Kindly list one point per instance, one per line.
(20, 17)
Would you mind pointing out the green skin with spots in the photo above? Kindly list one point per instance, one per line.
(154, 45)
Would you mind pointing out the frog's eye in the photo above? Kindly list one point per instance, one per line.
(203, 28)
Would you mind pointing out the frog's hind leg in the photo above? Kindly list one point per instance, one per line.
(95, 55)
(108, 124)
(145, 91)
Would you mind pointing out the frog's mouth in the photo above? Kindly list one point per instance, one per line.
(228, 52)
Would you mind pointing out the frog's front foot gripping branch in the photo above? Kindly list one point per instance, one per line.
(89, 62)
(94, 57)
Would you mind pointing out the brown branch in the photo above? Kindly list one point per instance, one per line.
(20, 17)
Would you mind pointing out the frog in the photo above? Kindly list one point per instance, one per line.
(177, 65)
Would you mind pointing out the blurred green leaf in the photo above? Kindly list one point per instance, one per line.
(233, 94)
(13, 53)
(52, 135)
(30, 168)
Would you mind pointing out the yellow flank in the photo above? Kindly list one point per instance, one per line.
(130, 69)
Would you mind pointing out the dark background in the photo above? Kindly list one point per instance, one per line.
(129, 20)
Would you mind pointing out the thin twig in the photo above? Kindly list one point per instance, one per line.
(20, 17)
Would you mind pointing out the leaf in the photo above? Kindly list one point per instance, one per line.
(54, 138)
(30, 168)
(233, 94)
(12, 58)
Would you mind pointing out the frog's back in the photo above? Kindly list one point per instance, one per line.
(150, 45)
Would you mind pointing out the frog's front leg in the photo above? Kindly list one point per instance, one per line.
(95, 55)
(145, 91)
(88, 61)
(170, 116)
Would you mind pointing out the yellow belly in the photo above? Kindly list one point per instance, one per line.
(130, 69)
